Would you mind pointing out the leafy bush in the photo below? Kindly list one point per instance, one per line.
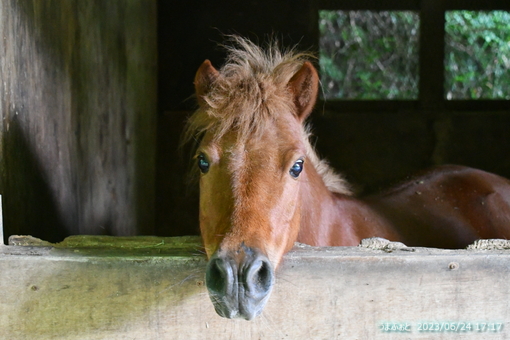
(374, 55)
(369, 55)
(477, 55)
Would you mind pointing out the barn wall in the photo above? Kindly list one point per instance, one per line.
(78, 116)
(153, 288)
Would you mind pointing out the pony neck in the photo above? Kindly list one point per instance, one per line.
(333, 219)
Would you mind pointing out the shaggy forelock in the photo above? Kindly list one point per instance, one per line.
(250, 91)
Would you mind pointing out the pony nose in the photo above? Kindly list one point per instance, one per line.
(239, 284)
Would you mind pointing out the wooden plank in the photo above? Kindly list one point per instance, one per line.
(77, 115)
(370, 5)
(402, 5)
(476, 5)
(153, 288)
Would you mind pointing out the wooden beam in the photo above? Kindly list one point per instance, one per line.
(476, 5)
(2, 240)
(370, 5)
(432, 31)
(153, 288)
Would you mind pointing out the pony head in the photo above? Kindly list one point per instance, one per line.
(254, 158)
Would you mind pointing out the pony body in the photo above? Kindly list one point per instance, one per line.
(263, 187)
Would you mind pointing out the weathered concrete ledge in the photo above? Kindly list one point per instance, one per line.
(153, 288)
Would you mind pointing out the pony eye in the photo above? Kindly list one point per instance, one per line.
(296, 169)
(203, 163)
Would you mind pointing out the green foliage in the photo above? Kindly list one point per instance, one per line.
(374, 55)
(369, 55)
(477, 55)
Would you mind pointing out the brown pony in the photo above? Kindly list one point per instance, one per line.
(263, 187)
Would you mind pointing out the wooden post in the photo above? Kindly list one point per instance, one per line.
(2, 240)
(78, 111)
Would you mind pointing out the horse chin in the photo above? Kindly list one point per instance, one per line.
(246, 309)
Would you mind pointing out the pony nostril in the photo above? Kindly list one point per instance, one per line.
(265, 276)
(260, 278)
(219, 276)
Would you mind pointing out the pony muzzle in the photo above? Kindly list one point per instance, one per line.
(239, 282)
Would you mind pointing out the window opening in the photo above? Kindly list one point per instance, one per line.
(369, 55)
(477, 55)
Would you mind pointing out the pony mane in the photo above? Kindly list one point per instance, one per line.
(252, 90)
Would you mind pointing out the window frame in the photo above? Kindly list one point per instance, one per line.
(431, 97)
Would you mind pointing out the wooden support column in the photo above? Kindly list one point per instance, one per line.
(432, 30)
(77, 116)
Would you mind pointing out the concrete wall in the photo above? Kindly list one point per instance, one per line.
(153, 288)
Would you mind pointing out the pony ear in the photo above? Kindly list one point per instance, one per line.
(205, 76)
(304, 86)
